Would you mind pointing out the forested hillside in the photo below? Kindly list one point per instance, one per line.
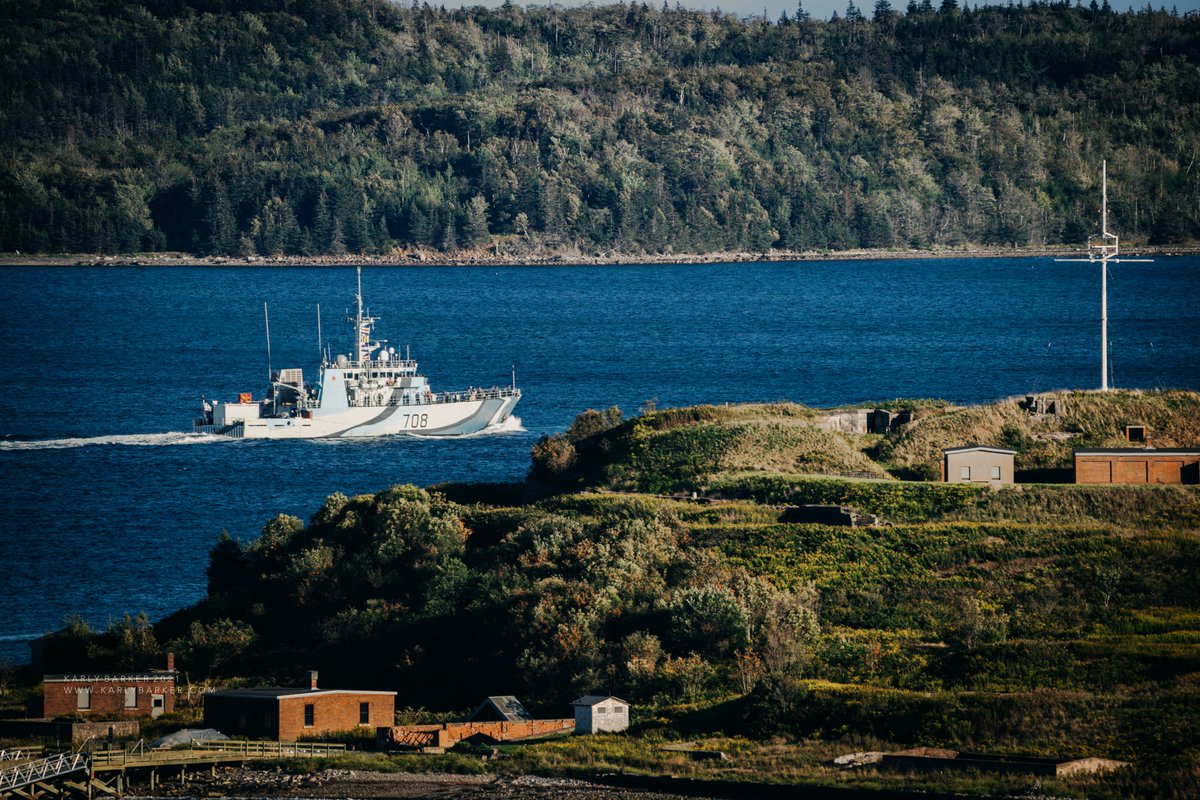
(331, 126)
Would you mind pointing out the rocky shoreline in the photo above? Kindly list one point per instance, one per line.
(248, 782)
(546, 257)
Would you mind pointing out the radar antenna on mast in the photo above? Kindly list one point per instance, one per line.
(1105, 248)
(364, 324)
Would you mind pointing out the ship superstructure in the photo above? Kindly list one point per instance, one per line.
(372, 391)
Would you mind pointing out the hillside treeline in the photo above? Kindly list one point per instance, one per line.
(331, 126)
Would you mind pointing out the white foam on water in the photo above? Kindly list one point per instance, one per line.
(510, 425)
(128, 440)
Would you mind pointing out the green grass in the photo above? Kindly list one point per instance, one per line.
(894, 500)
(1086, 419)
(697, 447)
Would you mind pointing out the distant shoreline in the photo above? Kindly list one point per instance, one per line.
(546, 257)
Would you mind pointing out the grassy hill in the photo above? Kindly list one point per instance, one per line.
(696, 449)
(1059, 620)
(1084, 419)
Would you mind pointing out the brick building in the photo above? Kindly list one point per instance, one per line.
(110, 696)
(288, 714)
(1137, 465)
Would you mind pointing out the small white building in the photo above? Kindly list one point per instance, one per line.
(601, 714)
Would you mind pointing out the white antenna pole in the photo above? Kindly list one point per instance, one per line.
(514, 376)
(1104, 277)
(320, 340)
(1106, 248)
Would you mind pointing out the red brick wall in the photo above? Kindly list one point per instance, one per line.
(1093, 469)
(1141, 468)
(332, 712)
(1166, 471)
(451, 733)
(60, 698)
(1130, 471)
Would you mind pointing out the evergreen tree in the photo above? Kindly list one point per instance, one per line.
(223, 237)
(448, 241)
(323, 224)
(337, 244)
(476, 231)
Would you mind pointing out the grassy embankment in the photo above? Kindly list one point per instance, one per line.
(1056, 620)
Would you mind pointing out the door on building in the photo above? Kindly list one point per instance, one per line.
(157, 705)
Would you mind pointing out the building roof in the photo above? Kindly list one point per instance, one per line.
(279, 692)
(1138, 451)
(596, 699)
(968, 448)
(506, 706)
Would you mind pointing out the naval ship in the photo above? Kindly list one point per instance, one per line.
(371, 392)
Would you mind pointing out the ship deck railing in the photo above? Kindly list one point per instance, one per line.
(397, 399)
(373, 366)
(494, 393)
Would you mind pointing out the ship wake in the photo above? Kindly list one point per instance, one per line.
(123, 440)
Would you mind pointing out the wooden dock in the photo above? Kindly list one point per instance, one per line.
(109, 773)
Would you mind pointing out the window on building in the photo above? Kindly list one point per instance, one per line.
(131, 697)
(964, 473)
(995, 473)
(364, 713)
(310, 715)
(601, 709)
(83, 698)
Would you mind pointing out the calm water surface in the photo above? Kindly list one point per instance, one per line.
(107, 506)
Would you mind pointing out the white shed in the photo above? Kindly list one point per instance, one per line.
(601, 714)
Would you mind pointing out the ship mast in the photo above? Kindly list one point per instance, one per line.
(363, 325)
(1105, 248)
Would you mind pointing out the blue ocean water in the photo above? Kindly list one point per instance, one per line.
(107, 506)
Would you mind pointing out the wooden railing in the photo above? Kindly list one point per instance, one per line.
(270, 749)
(211, 752)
